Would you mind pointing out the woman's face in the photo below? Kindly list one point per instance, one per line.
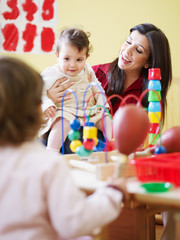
(134, 53)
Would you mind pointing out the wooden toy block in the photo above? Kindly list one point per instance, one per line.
(102, 170)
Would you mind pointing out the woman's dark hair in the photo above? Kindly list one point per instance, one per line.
(160, 57)
(76, 37)
(20, 102)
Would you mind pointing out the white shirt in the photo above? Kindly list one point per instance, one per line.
(70, 107)
(38, 199)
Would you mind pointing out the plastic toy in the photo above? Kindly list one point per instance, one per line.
(130, 123)
(154, 107)
(90, 141)
(158, 168)
(170, 139)
(131, 126)
(156, 187)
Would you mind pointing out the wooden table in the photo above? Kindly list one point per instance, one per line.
(137, 218)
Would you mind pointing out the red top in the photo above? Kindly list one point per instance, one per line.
(135, 88)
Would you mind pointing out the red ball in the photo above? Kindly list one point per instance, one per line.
(170, 139)
(130, 127)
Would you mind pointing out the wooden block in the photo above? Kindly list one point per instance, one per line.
(94, 158)
(117, 165)
(104, 171)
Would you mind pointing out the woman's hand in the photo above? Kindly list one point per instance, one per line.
(57, 90)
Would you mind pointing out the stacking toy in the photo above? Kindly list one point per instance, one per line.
(154, 106)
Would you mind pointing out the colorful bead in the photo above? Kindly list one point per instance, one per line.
(100, 146)
(75, 124)
(89, 124)
(89, 144)
(73, 135)
(82, 152)
(74, 144)
(160, 149)
(89, 132)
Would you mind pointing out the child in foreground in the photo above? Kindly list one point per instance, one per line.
(72, 50)
(38, 197)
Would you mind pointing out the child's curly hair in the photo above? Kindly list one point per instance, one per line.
(20, 101)
(76, 37)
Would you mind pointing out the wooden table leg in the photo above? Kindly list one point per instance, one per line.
(133, 223)
(177, 225)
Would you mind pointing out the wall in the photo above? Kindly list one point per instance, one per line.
(109, 22)
(173, 110)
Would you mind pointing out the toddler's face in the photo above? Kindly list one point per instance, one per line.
(71, 61)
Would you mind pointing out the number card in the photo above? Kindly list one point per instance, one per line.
(27, 26)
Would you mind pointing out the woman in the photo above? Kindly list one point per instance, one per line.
(146, 47)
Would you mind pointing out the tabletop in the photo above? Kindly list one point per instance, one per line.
(88, 182)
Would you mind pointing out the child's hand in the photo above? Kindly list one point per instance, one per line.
(119, 184)
(50, 112)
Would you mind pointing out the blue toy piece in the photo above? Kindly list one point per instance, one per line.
(154, 107)
(154, 85)
(75, 124)
(100, 146)
(160, 149)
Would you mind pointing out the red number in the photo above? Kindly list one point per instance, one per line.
(29, 35)
(48, 10)
(11, 36)
(47, 39)
(11, 33)
(30, 8)
(15, 11)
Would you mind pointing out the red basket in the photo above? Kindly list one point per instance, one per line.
(161, 167)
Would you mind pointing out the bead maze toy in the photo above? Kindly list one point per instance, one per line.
(90, 145)
(90, 141)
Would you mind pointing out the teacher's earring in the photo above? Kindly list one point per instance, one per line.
(147, 65)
